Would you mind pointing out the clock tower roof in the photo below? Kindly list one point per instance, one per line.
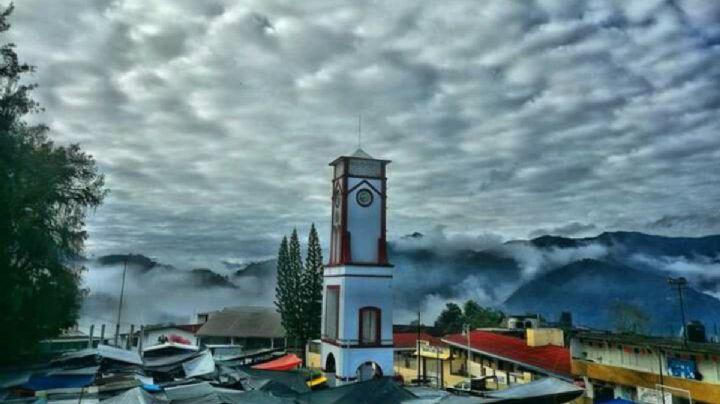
(359, 154)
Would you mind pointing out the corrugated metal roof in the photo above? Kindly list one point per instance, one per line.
(243, 322)
(552, 359)
(409, 339)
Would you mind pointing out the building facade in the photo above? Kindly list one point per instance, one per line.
(357, 282)
(251, 327)
(643, 369)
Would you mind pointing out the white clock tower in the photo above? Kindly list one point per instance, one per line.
(357, 339)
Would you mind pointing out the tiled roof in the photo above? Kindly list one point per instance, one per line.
(553, 359)
(409, 339)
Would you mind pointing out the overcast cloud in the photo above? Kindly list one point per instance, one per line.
(214, 121)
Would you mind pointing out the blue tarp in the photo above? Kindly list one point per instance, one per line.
(47, 382)
(618, 401)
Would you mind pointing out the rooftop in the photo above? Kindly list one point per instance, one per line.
(244, 322)
(549, 359)
(648, 341)
(409, 339)
(360, 153)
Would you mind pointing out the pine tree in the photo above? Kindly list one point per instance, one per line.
(312, 286)
(294, 280)
(282, 289)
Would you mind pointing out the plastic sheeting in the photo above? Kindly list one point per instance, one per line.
(135, 396)
(202, 365)
(548, 390)
(543, 387)
(383, 390)
(287, 362)
(120, 355)
(47, 382)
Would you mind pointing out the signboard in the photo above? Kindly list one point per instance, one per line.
(435, 352)
(682, 368)
(652, 396)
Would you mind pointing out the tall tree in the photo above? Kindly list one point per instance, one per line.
(478, 316)
(295, 268)
(283, 293)
(312, 279)
(450, 319)
(45, 192)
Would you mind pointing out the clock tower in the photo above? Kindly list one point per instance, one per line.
(357, 282)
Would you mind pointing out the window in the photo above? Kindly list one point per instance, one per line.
(332, 307)
(369, 326)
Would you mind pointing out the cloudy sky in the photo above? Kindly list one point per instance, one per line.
(214, 121)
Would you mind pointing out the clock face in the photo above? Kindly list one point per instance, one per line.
(364, 197)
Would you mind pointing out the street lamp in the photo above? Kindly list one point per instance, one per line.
(680, 283)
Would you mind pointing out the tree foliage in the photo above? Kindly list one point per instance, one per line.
(283, 292)
(312, 280)
(295, 267)
(298, 294)
(480, 317)
(45, 191)
(452, 318)
(629, 318)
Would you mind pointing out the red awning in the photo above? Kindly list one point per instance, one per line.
(287, 362)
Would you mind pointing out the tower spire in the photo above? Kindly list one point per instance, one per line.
(359, 131)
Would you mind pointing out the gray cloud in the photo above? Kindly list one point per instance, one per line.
(214, 121)
(568, 230)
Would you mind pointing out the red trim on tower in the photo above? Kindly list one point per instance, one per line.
(333, 260)
(344, 234)
(382, 243)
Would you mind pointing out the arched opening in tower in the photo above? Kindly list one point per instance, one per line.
(330, 363)
(368, 371)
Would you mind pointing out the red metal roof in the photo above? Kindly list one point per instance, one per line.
(409, 339)
(551, 358)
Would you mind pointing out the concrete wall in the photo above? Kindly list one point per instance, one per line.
(360, 286)
(627, 370)
(364, 222)
(545, 336)
(348, 360)
(151, 337)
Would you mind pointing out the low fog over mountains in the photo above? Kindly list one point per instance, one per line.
(547, 274)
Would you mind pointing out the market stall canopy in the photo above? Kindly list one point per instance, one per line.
(287, 362)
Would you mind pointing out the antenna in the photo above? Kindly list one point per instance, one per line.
(359, 131)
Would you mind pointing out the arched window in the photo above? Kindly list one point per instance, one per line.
(370, 326)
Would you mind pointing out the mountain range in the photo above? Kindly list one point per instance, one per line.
(545, 275)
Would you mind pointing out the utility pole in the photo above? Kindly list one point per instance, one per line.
(680, 283)
(466, 331)
(417, 347)
(662, 382)
(122, 294)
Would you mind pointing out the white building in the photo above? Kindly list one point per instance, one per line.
(357, 338)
